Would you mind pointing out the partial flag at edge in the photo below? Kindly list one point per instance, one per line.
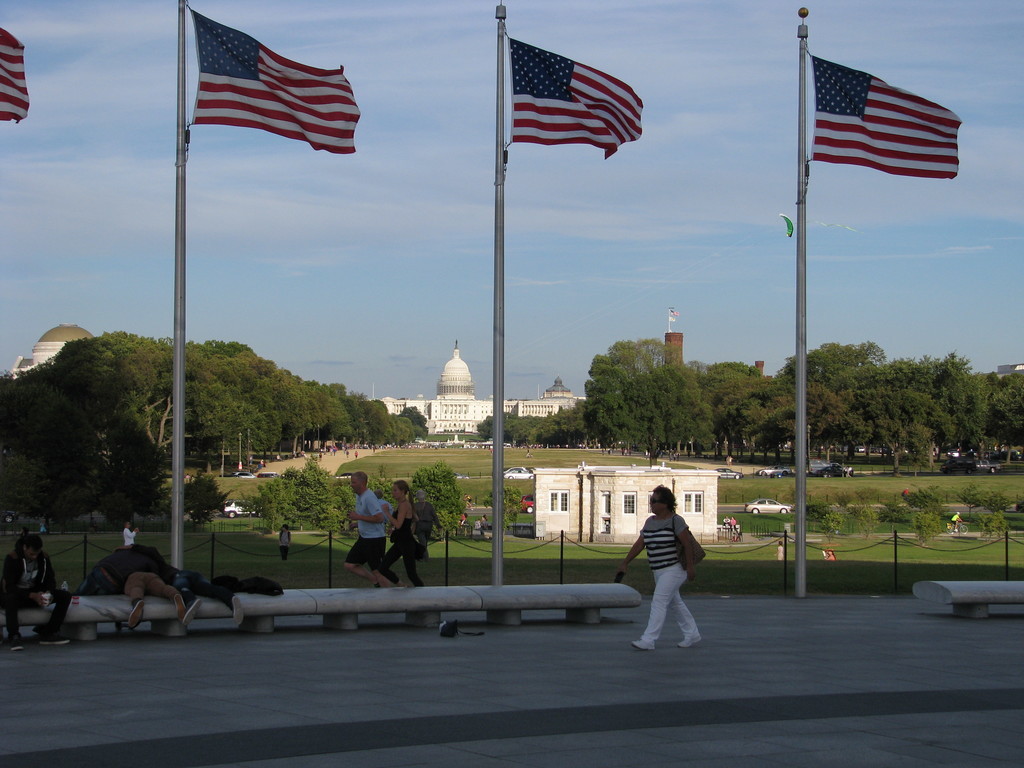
(13, 90)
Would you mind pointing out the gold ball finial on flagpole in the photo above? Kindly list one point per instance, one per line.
(803, 12)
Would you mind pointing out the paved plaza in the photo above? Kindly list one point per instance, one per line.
(836, 681)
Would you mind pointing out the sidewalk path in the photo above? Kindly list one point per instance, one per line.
(838, 681)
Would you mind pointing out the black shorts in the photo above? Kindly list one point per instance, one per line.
(367, 551)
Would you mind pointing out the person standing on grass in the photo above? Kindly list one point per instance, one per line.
(659, 536)
(129, 533)
(426, 519)
(364, 559)
(284, 541)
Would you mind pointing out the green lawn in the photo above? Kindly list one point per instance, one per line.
(863, 566)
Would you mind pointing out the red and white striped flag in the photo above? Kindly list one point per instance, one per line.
(861, 120)
(556, 100)
(243, 83)
(13, 91)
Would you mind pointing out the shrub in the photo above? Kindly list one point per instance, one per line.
(927, 524)
(832, 522)
(866, 517)
(893, 512)
(817, 509)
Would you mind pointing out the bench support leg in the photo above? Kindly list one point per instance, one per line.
(347, 621)
(510, 618)
(79, 631)
(583, 615)
(971, 610)
(264, 624)
(168, 627)
(423, 618)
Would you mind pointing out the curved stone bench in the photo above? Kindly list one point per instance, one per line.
(971, 599)
(341, 607)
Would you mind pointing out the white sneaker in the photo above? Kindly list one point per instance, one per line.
(640, 645)
(190, 612)
(688, 641)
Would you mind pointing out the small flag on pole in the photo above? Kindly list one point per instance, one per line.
(559, 101)
(13, 91)
(861, 120)
(672, 315)
(243, 83)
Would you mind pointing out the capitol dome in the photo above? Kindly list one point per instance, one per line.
(456, 380)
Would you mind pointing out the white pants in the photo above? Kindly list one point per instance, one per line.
(665, 600)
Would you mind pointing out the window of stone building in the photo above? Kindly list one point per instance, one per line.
(691, 503)
(606, 512)
(559, 501)
(629, 503)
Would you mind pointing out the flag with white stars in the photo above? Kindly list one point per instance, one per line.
(556, 100)
(13, 91)
(243, 83)
(861, 120)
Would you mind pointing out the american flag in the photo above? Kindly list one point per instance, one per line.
(243, 83)
(673, 313)
(861, 120)
(558, 101)
(13, 91)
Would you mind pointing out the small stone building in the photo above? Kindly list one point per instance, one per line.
(610, 504)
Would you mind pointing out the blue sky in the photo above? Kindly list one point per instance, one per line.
(364, 269)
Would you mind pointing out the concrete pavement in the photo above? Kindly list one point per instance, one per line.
(845, 681)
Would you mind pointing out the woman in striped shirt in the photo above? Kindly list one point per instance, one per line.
(659, 537)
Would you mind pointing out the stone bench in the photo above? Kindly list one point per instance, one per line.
(341, 607)
(971, 598)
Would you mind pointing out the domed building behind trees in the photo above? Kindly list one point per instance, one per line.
(49, 344)
(456, 409)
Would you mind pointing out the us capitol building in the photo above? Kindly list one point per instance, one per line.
(456, 409)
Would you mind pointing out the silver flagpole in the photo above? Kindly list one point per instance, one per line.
(178, 386)
(800, 435)
(498, 401)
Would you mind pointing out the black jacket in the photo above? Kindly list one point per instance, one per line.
(14, 567)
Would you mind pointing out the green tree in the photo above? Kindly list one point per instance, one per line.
(927, 523)
(203, 498)
(832, 523)
(970, 496)
(865, 517)
(633, 396)
(438, 482)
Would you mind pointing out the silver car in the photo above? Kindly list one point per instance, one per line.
(757, 506)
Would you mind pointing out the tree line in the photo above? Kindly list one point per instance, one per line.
(913, 409)
(90, 430)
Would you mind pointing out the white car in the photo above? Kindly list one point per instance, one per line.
(757, 506)
(233, 508)
(518, 473)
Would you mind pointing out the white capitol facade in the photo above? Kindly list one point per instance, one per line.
(456, 409)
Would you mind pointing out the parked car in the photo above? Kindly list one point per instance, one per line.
(968, 466)
(831, 470)
(526, 504)
(461, 476)
(234, 508)
(241, 474)
(757, 506)
(518, 473)
(777, 471)
(267, 474)
(728, 474)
